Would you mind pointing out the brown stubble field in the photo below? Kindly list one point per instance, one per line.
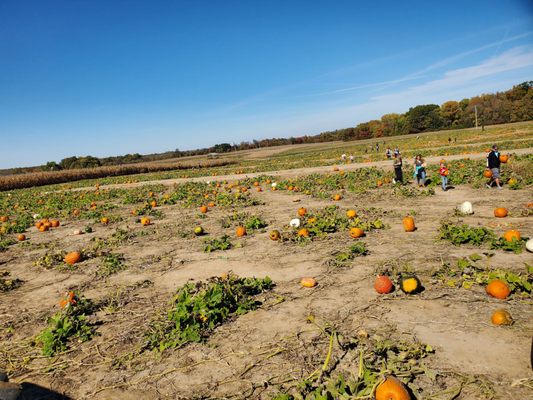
(289, 337)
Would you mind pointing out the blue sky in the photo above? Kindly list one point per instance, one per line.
(114, 77)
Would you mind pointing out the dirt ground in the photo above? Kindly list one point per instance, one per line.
(255, 354)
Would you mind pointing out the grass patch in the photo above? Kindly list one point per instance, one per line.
(198, 308)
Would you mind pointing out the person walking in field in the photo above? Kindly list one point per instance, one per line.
(420, 170)
(388, 153)
(443, 172)
(343, 157)
(493, 163)
(396, 151)
(398, 169)
(351, 158)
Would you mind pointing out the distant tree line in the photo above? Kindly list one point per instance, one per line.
(513, 105)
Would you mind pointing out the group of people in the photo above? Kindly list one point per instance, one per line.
(419, 168)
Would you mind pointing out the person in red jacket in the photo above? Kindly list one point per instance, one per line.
(493, 163)
(443, 172)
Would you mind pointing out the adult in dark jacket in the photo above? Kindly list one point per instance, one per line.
(493, 163)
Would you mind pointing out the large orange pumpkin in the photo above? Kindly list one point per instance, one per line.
(392, 389)
(72, 258)
(487, 173)
(408, 224)
(498, 289)
(241, 231)
(356, 232)
(383, 284)
(500, 212)
(509, 236)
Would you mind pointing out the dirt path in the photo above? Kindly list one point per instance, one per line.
(301, 171)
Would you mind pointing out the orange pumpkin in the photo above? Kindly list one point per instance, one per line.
(72, 257)
(259, 189)
(337, 197)
(383, 284)
(21, 237)
(498, 289)
(145, 221)
(241, 231)
(504, 158)
(303, 233)
(487, 173)
(43, 228)
(351, 214)
(274, 235)
(104, 220)
(54, 223)
(500, 212)
(392, 389)
(256, 183)
(511, 235)
(302, 211)
(408, 224)
(501, 317)
(203, 209)
(379, 183)
(211, 204)
(308, 282)
(4, 218)
(153, 203)
(356, 232)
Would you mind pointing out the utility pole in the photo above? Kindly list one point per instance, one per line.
(475, 109)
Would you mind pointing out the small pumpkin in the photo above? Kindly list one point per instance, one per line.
(529, 245)
(145, 221)
(259, 189)
(466, 208)
(501, 317)
(356, 232)
(351, 214)
(408, 224)
(4, 218)
(241, 231)
(498, 289)
(274, 235)
(21, 237)
(383, 284)
(153, 203)
(203, 209)
(511, 235)
(308, 282)
(295, 222)
(211, 204)
(54, 223)
(500, 212)
(72, 258)
(304, 232)
(43, 228)
(487, 173)
(337, 197)
(379, 183)
(104, 220)
(410, 284)
(392, 389)
(302, 211)
(504, 158)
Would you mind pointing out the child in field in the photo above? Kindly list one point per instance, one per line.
(420, 170)
(443, 172)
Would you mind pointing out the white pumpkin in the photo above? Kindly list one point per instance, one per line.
(295, 223)
(529, 245)
(274, 184)
(77, 232)
(466, 208)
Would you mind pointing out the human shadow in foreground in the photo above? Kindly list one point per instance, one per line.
(31, 391)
